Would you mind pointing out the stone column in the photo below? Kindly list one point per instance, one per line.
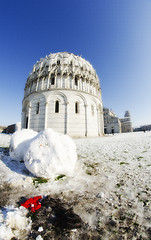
(42, 83)
(98, 120)
(48, 83)
(23, 120)
(82, 82)
(86, 121)
(84, 85)
(29, 113)
(46, 111)
(56, 80)
(37, 84)
(65, 81)
(73, 82)
(66, 118)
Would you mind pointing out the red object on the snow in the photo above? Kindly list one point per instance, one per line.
(32, 203)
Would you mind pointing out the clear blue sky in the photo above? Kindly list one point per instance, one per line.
(113, 35)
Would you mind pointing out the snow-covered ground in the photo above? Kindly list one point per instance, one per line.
(110, 189)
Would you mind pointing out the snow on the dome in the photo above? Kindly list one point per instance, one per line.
(50, 154)
(18, 143)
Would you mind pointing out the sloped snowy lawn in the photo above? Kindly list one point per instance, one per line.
(110, 190)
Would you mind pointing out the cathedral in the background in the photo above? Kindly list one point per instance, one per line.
(63, 92)
(126, 124)
(113, 124)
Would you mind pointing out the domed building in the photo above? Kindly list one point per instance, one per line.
(63, 92)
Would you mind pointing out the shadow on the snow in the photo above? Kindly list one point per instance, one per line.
(13, 165)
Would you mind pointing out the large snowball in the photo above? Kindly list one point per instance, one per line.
(19, 141)
(50, 154)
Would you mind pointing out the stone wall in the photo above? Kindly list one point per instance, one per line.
(87, 121)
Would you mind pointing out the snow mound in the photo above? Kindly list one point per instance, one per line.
(19, 142)
(13, 222)
(50, 154)
(4, 140)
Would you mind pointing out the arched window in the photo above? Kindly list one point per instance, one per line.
(37, 108)
(76, 107)
(76, 81)
(26, 122)
(112, 130)
(57, 106)
(52, 79)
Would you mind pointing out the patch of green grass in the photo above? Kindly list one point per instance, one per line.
(91, 168)
(144, 151)
(60, 177)
(89, 165)
(121, 163)
(88, 172)
(140, 157)
(80, 156)
(118, 185)
(121, 183)
(39, 180)
(113, 159)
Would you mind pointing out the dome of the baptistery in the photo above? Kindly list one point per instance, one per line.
(63, 92)
(61, 63)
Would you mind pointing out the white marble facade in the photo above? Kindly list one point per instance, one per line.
(63, 92)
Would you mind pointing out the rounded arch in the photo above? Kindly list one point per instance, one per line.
(56, 95)
(25, 105)
(94, 101)
(81, 97)
(100, 108)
